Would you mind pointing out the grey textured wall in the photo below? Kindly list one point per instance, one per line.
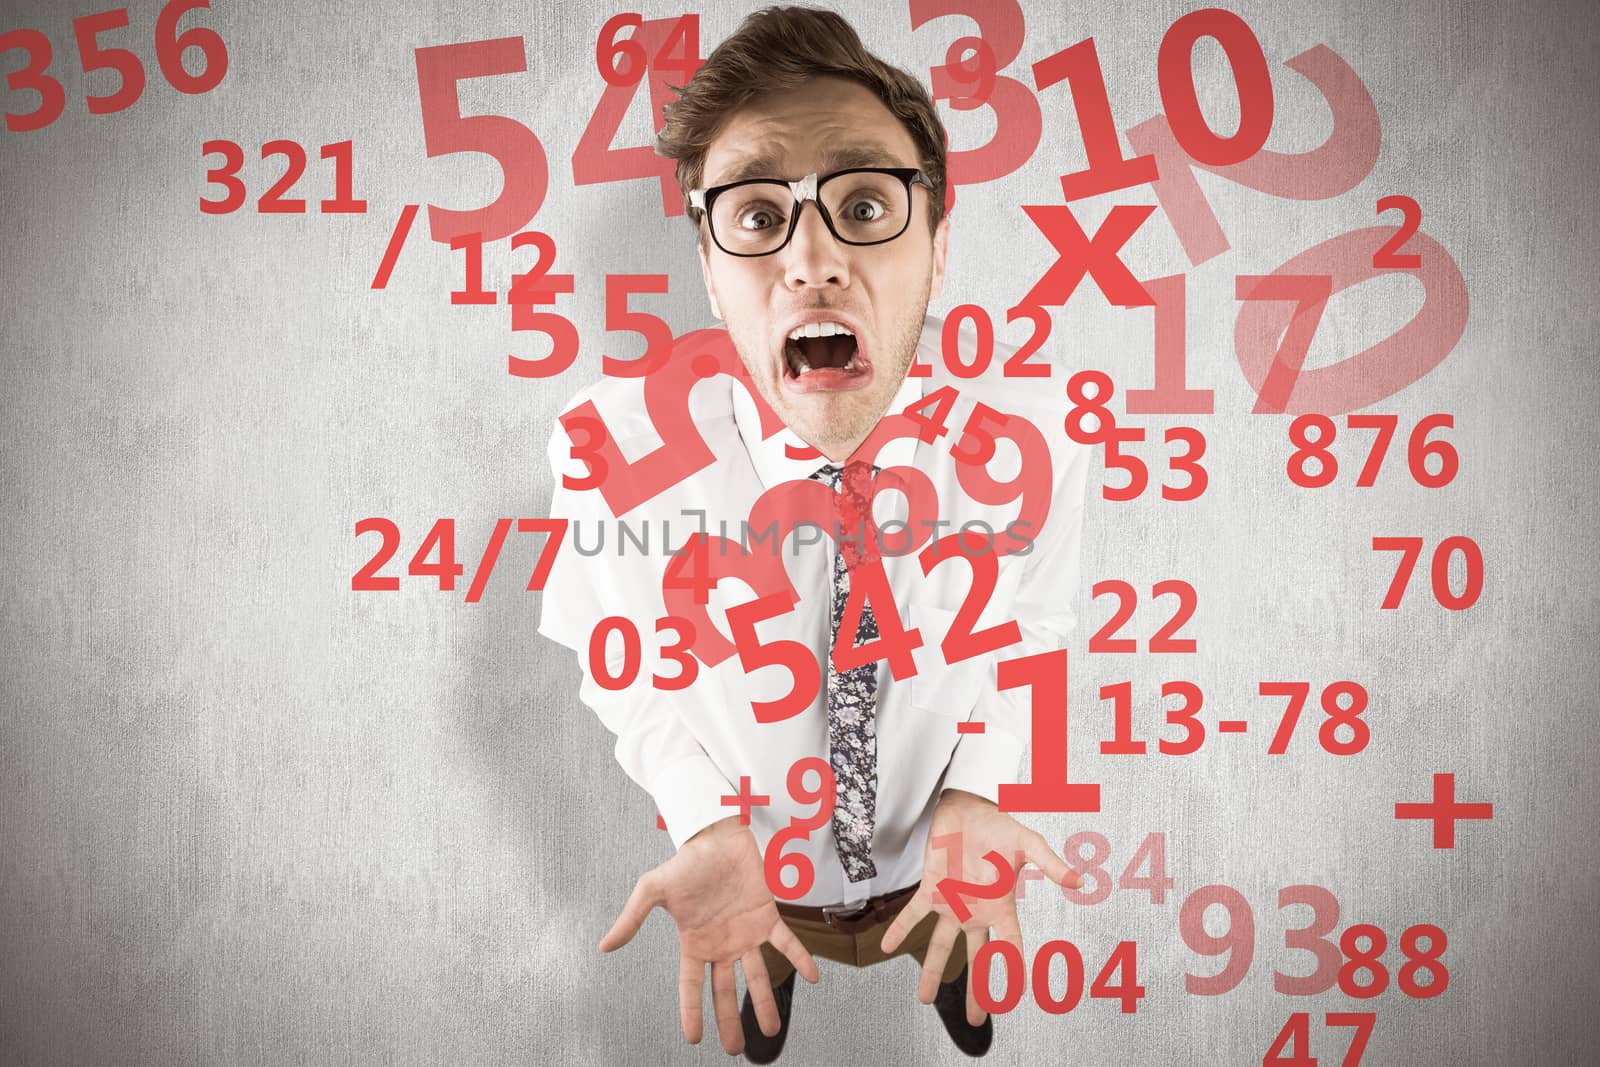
(250, 816)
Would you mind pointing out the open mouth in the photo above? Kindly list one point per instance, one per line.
(824, 355)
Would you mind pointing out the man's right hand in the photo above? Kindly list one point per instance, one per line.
(716, 891)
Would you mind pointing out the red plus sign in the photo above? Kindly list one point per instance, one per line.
(744, 800)
(1444, 811)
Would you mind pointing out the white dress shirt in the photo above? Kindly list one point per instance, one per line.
(689, 748)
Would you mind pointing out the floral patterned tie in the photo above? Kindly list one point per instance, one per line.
(853, 694)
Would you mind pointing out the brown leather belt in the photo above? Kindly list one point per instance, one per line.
(853, 917)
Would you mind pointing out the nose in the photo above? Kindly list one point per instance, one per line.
(813, 257)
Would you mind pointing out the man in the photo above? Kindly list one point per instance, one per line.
(814, 174)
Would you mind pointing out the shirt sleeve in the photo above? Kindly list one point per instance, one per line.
(1044, 612)
(654, 744)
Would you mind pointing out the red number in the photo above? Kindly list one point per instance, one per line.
(1334, 168)
(367, 579)
(1128, 600)
(1138, 473)
(1385, 425)
(1018, 124)
(1430, 961)
(1359, 960)
(683, 452)
(1362, 1022)
(608, 49)
(1312, 938)
(1122, 742)
(981, 967)
(594, 160)
(1238, 942)
(1388, 257)
(950, 341)
(1419, 448)
(1292, 1046)
(1041, 977)
(563, 335)
(273, 203)
(227, 176)
(1307, 449)
(1032, 484)
(1362, 379)
(1310, 293)
(657, 335)
(981, 451)
(1194, 731)
(1163, 640)
(1339, 716)
(1045, 675)
(1251, 78)
(956, 891)
(688, 666)
(52, 98)
(443, 537)
(1410, 549)
(1017, 366)
(825, 796)
(1108, 169)
(536, 281)
(1082, 404)
(588, 453)
(344, 201)
(1079, 864)
(961, 641)
(931, 425)
(171, 45)
(445, 131)
(1171, 395)
(1188, 463)
(631, 653)
(129, 70)
(1297, 693)
(555, 531)
(1152, 850)
(869, 584)
(1473, 559)
(793, 656)
(472, 290)
(1125, 961)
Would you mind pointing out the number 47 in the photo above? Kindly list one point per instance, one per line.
(1292, 1046)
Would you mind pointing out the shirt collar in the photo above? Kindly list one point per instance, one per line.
(775, 458)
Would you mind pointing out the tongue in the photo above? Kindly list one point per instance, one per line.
(827, 352)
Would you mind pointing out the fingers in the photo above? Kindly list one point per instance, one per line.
(634, 912)
(725, 1000)
(758, 983)
(905, 922)
(1042, 856)
(782, 938)
(938, 954)
(691, 980)
(976, 939)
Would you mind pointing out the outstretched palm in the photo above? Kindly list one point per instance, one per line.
(715, 890)
(965, 829)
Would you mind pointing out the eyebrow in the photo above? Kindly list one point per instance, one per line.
(764, 163)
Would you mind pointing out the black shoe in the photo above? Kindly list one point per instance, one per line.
(951, 1002)
(758, 1047)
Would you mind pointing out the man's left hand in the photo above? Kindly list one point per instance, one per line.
(966, 827)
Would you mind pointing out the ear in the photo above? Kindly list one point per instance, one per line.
(941, 239)
(705, 275)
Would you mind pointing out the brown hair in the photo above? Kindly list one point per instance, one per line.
(780, 48)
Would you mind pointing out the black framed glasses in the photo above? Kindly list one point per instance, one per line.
(860, 206)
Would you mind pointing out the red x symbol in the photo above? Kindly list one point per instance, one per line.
(1079, 254)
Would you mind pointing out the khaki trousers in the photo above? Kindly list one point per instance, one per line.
(861, 950)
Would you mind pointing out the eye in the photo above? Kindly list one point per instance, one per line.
(865, 209)
(759, 217)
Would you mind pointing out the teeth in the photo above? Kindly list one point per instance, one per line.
(851, 365)
(800, 365)
(820, 329)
